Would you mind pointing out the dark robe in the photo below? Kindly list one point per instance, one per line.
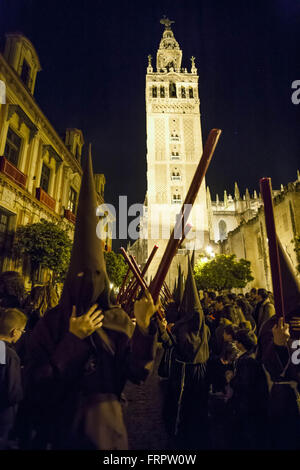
(186, 400)
(11, 392)
(70, 381)
(249, 404)
(284, 383)
(219, 414)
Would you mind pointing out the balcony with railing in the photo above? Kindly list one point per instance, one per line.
(44, 197)
(70, 216)
(174, 138)
(175, 156)
(10, 170)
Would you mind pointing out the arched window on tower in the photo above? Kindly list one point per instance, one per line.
(154, 92)
(175, 176)
(183, 95)
(172, 90)
(222, 230)
(170, 65)
(162, 91)
(191, 92)
(176, 199)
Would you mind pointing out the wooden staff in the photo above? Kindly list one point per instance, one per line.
(173, 243)
(132, 267)
(266, 192)
(167, 290)
(152, 254)
(163, 294)
(145, 269)
(123, 286)
(144, 286)
(134, 285)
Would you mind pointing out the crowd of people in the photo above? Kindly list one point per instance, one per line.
(231, 383)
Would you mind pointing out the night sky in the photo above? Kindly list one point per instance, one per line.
(94, 59)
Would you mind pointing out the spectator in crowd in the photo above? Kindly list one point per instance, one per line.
(265, 310)
(40, 299)
(253, 297)
(12, 325)
(247, 310)
(12, 291)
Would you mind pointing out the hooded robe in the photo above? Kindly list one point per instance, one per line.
(186, 401)
(74, 386)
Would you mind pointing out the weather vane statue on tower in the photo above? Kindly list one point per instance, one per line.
(165, 21)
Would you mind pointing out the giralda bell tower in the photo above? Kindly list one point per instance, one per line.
(174, 148)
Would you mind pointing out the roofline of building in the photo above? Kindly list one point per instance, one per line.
(29, 44)
(290, 187)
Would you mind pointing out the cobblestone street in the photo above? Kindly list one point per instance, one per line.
(143, 413)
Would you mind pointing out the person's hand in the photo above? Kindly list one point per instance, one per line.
(281, 333)
(144, 309)
(86, 324)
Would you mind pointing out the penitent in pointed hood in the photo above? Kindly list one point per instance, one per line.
(190, 300)
(191, 332)
(193, 260)
(87, 280)
(178, 294)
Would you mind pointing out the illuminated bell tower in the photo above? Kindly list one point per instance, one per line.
(174, 147)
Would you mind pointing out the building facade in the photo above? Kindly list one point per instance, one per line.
(40, 173)
(225, 215)
(249, 240)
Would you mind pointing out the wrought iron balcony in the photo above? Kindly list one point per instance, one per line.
(70, 216)
(12, 172)
(44, 197)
